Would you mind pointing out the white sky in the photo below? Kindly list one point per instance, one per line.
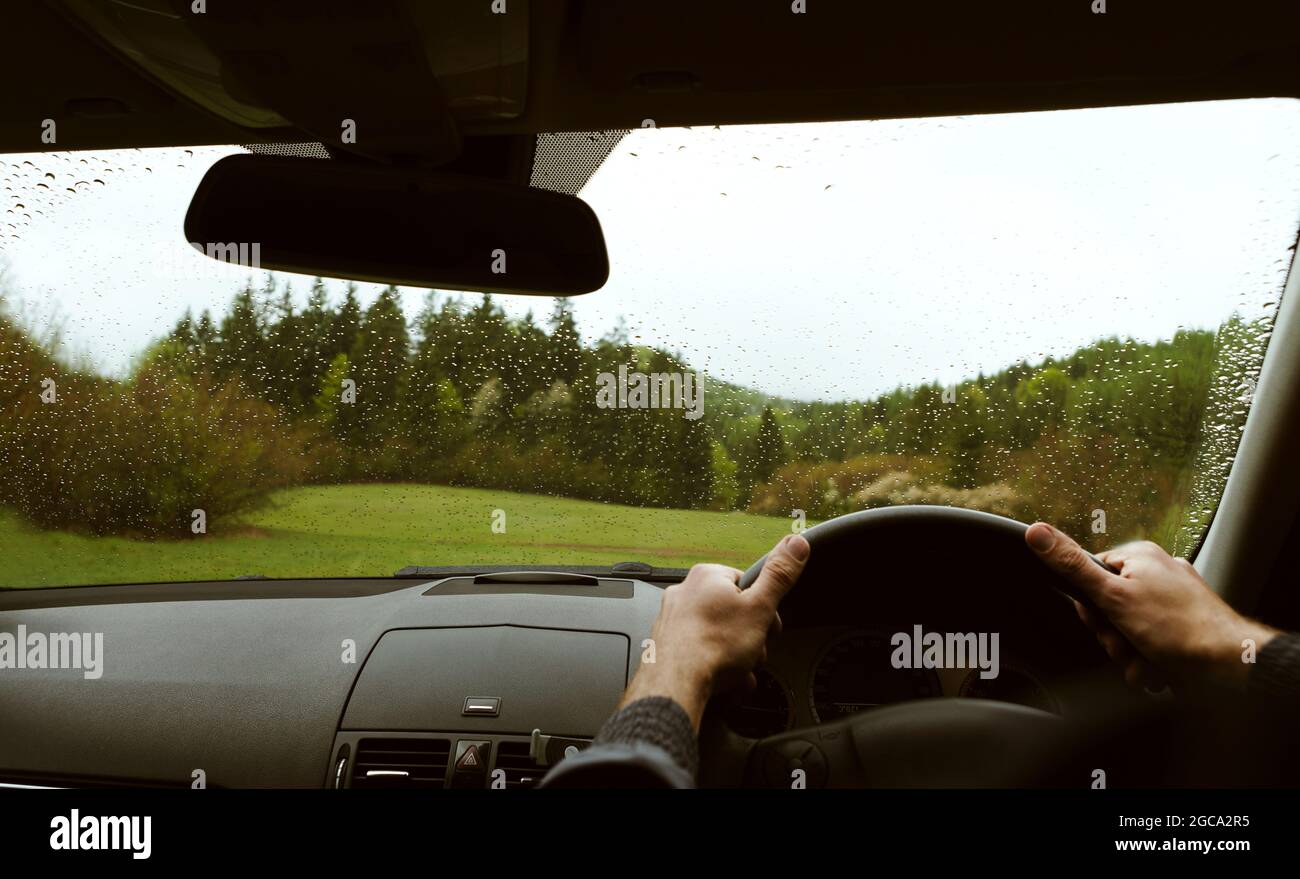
(941, 248)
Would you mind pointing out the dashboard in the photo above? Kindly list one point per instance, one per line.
(321, 683)
(466, 680)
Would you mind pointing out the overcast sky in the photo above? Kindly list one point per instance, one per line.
(815, 261)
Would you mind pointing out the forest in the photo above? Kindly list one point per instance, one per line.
(226, 409)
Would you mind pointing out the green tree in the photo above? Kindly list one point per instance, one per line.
(564, 353)
(241, 342)
(379, 363)
(328, 405)
(769, 447)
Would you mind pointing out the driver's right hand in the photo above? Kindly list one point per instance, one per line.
(1157, 618)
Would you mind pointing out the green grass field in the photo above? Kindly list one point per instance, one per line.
(369, 530)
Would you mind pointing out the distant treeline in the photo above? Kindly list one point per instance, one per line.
(226, 409)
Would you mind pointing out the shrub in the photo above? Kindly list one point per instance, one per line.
(136, 457)
(827, 488)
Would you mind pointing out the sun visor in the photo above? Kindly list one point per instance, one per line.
(386, 78)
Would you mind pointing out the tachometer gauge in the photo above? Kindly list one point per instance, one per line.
(854, 673)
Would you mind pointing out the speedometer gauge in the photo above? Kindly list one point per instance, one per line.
(854, 673)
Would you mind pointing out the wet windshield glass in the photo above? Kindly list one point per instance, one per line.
(1050, 315)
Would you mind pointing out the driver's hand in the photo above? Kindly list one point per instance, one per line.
(709, 635)
(1157, 618)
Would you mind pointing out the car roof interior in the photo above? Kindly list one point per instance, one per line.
(590, 66)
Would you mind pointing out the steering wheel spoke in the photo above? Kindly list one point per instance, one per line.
(926, 743)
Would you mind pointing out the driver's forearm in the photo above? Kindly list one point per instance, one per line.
(686, 685)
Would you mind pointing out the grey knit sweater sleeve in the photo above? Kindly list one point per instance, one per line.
(1276, 675)
(648, 743)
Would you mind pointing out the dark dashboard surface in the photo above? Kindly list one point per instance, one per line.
(253, 690)
(301, 683)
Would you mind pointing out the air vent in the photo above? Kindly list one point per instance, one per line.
(401, 763)
(521, 770)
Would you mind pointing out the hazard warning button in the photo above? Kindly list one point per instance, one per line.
(469, 760)
(470, 766)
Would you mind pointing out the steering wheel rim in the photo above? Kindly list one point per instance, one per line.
(851, 525)
(1014, 742)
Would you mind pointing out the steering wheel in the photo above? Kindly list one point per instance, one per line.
(938, 742)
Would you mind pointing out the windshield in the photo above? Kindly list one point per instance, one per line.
(1054, 316)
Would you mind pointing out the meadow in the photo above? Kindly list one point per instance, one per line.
(376, 529)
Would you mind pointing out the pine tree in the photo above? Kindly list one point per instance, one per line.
(314, 340)
(346, 326)
(283, 353)
(380, 367)
(240, 343)
(769, 447)
(564, 352)
(693, 475)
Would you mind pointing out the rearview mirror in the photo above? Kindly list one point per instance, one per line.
(394, 226)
